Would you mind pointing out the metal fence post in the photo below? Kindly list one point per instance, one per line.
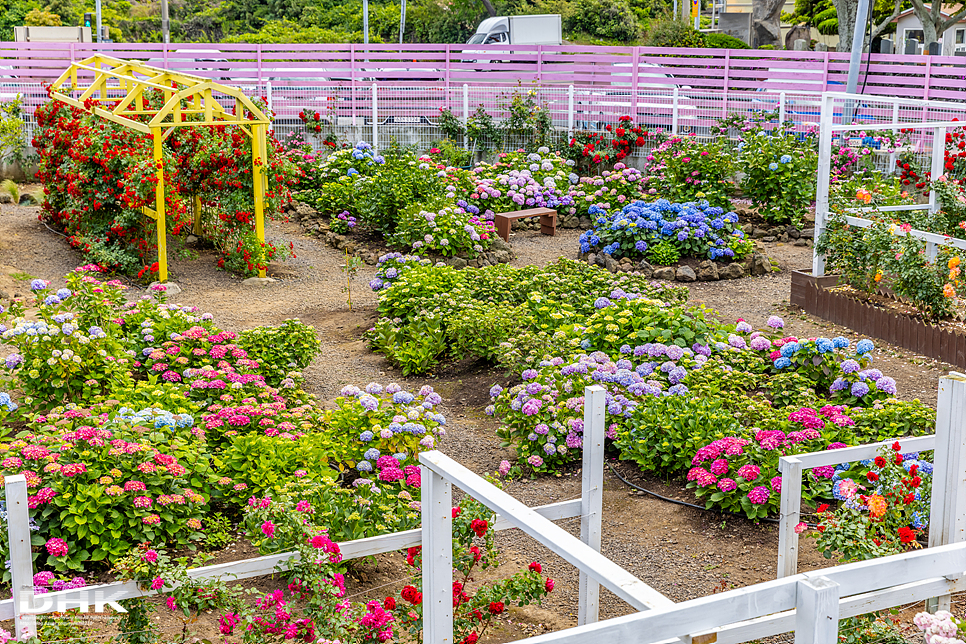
(674, 113)
(437, 520)
(791, 503)
(268, 94)
(375, 117)
(466, 115)
(824, 170)
(817, 612)
(781, 108)
(570, 110)
(21, 561)
(592, 497)
(947, 506)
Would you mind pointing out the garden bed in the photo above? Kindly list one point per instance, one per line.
(874, 318)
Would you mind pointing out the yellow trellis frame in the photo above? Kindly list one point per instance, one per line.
(125, 81)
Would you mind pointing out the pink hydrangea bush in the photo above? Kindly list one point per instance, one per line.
(740, 475)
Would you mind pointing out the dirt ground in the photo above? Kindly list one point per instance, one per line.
(682, 552)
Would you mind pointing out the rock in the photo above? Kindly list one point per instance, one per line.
(27, 200)
(758, 233)
(475, 263)
(456, 262)
(302, 209)
(498, 244)
(5, 198)
(591, 258)
(707, 271)
(625, 260)
(170, 288)
(732, 271)
(760, 265)
(808, 232)
(190, 240)
(610, 264)
(665, 273)
(258, 281)
(793, 232)
(501, 257)
(599, 260)
(776, 231)
(768, 239)
(645, 269)
(748, 229)
(570, 222)
(685, 274)
(800, 242)
(585, 223)
(783, 238)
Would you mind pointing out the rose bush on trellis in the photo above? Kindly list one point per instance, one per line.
(98, 176)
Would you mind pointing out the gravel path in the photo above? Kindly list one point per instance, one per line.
(682, 552)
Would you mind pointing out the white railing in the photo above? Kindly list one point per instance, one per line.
(927, 129)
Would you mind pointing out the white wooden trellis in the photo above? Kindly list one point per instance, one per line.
(829, 130)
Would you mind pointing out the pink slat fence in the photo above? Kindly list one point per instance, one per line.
(427, 65)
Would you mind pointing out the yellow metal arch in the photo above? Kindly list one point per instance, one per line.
(100, 79)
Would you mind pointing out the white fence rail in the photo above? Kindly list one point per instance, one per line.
(928, 142)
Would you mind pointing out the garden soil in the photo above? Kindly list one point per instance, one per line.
(681, 551)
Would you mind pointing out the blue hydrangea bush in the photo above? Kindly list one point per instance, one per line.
(696, 229)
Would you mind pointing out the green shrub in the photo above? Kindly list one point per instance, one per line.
(477, 331)
(723, 41)
(610, 19)
(664, 253)
(280, 350)
(664, 434)
(673, 33)
(415, 347)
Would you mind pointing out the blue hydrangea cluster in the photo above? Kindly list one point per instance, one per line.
(362, 152)
(6, 402)
(696, 228)
(154, 417)
(391, 266)
(404, 413)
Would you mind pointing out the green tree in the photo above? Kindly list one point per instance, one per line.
(41, 18)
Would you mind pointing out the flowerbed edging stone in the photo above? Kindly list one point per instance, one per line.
(755, 265)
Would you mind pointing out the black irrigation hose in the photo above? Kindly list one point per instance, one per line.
(684, 503)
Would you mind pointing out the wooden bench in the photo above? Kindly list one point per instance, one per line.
(548, 221)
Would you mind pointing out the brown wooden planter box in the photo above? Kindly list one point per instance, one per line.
(812, 295)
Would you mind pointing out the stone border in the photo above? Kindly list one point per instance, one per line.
(707, 271)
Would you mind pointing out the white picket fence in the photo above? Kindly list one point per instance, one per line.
(928, 143)
(809, 604)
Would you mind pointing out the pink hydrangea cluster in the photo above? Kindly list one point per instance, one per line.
(939, 628)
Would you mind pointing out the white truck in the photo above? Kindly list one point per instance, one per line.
(519, 30)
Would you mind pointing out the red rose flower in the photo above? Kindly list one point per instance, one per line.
(822, 508)
(479, 526)
(496, 608)
(535, 567)
(907, 535)
(548, 585)
(389, 603)
(880, 462)
(872, 476)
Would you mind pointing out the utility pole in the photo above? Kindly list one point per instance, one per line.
(165, 23)
(858, 44)
(402, 20)
(97, 10)
(365, 21)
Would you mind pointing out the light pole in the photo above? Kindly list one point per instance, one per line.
(365, 21)
(855, 61)
(97, 10)
(165, 23)
(402, 20)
